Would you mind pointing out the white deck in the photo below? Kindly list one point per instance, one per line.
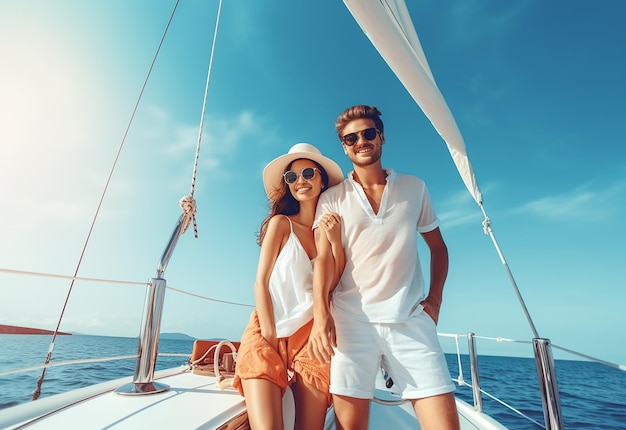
(193, 402)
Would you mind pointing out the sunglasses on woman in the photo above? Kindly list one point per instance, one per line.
(352, 138)
(307, 174)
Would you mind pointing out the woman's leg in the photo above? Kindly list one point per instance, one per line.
(264, 404)
(311, 406)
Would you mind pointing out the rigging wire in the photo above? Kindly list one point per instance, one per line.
(37, 391)
(487, 222)
(487, 229)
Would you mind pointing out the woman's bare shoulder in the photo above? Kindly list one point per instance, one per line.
(279, 224)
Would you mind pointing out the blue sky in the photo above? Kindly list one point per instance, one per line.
(536, 87)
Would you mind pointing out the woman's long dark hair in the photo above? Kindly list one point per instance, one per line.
(283, 203)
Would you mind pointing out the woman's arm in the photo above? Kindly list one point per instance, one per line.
(331, 224)
(322, 337)
(275, 237)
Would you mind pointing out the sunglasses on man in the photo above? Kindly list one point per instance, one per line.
(351, 138)
(307, 174)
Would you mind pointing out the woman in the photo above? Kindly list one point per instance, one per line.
(273, 350)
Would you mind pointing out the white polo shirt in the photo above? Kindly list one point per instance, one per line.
(382, 280)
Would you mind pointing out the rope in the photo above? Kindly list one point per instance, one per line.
(209, 298)
(187, 203)
(201, 359)
(223, 382)
(68, 363)
(502, 339)
(74, 278)
(37, 391)
(84, 361)
(112, 281)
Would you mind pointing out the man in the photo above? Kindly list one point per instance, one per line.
(380, 314)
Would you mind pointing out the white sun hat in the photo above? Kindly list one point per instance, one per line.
(273, 172)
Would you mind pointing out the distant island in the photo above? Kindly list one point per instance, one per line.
(14, 329)
(175, 336)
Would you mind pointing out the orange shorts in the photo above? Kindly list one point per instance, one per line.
(256, 359)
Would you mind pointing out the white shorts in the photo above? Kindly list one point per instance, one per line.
(410, 352)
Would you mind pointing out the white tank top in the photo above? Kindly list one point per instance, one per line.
(291, 287)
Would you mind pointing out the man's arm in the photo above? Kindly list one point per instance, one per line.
(438, 272)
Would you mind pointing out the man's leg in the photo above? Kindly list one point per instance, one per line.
(437, 412)
(353, 370)
(351, 413)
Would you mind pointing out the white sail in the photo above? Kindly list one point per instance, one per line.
(388, 25)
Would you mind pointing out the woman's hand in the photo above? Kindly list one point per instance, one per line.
(330, 223)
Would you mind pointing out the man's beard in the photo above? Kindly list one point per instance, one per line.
(364, 163)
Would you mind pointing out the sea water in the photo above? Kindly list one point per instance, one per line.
(22, 351)
(593, 396)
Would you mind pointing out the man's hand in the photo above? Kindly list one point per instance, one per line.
(431, 307)
(322, 338)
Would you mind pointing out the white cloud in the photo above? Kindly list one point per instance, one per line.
(582, 204)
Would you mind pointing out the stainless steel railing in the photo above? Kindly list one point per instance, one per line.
(473, 356)
(546, 373)
(547, 384)
(148, 346)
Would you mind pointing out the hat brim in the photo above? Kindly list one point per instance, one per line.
(273, 172)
